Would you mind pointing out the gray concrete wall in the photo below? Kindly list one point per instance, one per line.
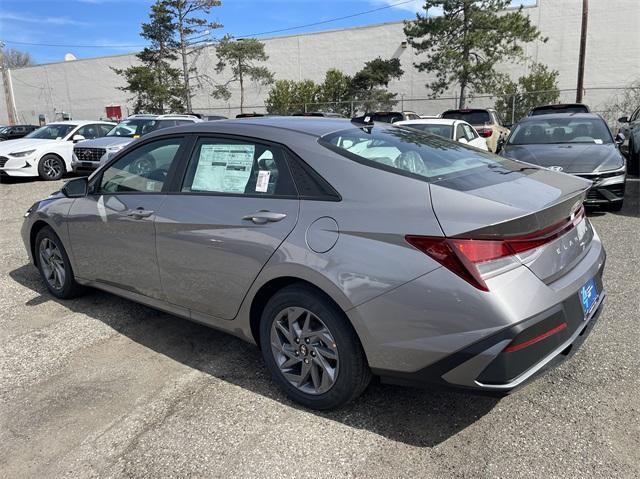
(83, 88)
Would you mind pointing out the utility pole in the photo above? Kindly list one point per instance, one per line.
(8, 90)
(583, 47)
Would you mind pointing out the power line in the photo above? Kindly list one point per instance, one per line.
(323, 22)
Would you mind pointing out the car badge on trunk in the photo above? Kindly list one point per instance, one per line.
(556, 168)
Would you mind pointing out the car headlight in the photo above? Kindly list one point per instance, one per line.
(113, 149)
(21, 154)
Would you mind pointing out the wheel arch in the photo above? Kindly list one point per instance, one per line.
(270, 288)
(33, 233)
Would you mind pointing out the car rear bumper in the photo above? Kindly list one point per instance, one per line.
(434, 330)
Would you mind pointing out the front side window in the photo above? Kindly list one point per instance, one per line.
(407, 151)
(561, 130)
(89, 131)
(237, 167)
(459, 132)
(133, 128)
(142, 170)
(52, 131)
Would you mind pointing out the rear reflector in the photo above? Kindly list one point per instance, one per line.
(529, 342)
(475, 259)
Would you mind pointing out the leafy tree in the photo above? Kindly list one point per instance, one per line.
(287, 97)
(12, 58)
(369, 85)
(538, 87)
(192, 27)
(622, 103)
(338, 92)
(156, 85)
(464, 44)
(334, 94)
(243, 57)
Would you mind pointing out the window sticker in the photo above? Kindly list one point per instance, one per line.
(223, 168)
(598, 141)
(262, 185)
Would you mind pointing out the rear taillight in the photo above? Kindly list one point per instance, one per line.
(485, 132)
(475, 260)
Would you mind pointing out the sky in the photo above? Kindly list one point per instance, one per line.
(48, 29)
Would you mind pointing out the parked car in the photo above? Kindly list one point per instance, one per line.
(342, 249)
(16, 131)
(456, 130)
(324, 114)
(88, 155)
(486, 121)
(387, 116)
(559, 108)
(580, 144)
(47, 151)
(631, 131)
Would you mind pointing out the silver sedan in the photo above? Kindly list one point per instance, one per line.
(342, 249)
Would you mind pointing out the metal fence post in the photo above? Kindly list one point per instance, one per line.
(513, 110)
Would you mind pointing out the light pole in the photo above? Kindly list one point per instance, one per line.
(583, 48)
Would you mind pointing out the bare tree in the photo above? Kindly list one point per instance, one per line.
(192, 26)
(12, 58)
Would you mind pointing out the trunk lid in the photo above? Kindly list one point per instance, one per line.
(514, 200)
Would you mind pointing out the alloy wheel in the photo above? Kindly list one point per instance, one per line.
(51, 167)
(52, 263)
(305, 351)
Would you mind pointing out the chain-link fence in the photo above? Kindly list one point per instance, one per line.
(610, 102)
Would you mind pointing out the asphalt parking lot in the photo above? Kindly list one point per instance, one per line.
(103, 387)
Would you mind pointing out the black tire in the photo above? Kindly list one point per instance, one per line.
(633, 163)
(353, 374)
(51, 168)
(617, 206)
(68, 288)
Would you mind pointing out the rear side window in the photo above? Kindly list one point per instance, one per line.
(408, 152)
(310, 185)
(473, 117)
(226, 166)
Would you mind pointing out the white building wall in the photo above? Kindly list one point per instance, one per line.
(83, 88)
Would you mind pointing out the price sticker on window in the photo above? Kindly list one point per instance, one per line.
(262, 184)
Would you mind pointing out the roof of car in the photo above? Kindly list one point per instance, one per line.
(315, 126)
(80, 122)
(552, 116)
(430, 121)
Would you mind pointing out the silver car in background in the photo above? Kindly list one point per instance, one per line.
(89, 154)
(342, 249)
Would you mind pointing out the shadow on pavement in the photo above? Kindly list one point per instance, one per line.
(416, 417)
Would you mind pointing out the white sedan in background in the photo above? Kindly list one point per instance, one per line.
(47, 151)
(456, 130)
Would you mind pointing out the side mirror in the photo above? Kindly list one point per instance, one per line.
(77, 138)
(619, 139)
(463, 140)
(624, 119)
(76, 188)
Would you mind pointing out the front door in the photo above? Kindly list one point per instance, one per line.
(235, 207)
(112, 229)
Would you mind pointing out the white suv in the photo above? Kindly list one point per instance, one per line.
(88, 155)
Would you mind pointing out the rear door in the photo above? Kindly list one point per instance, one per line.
(233, 206)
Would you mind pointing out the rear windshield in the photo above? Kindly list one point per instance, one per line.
(545, 110)
(407, 151)
(560, 130)
(387, 117)
(445, 131)
(475, 117)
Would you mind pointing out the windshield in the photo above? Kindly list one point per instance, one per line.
(405, 150)
(52, 132)
(474, 117)
(445, 131)
(560, 130)
(133, 128)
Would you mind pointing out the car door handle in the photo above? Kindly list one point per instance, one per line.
(262, 217)
(139, 213)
